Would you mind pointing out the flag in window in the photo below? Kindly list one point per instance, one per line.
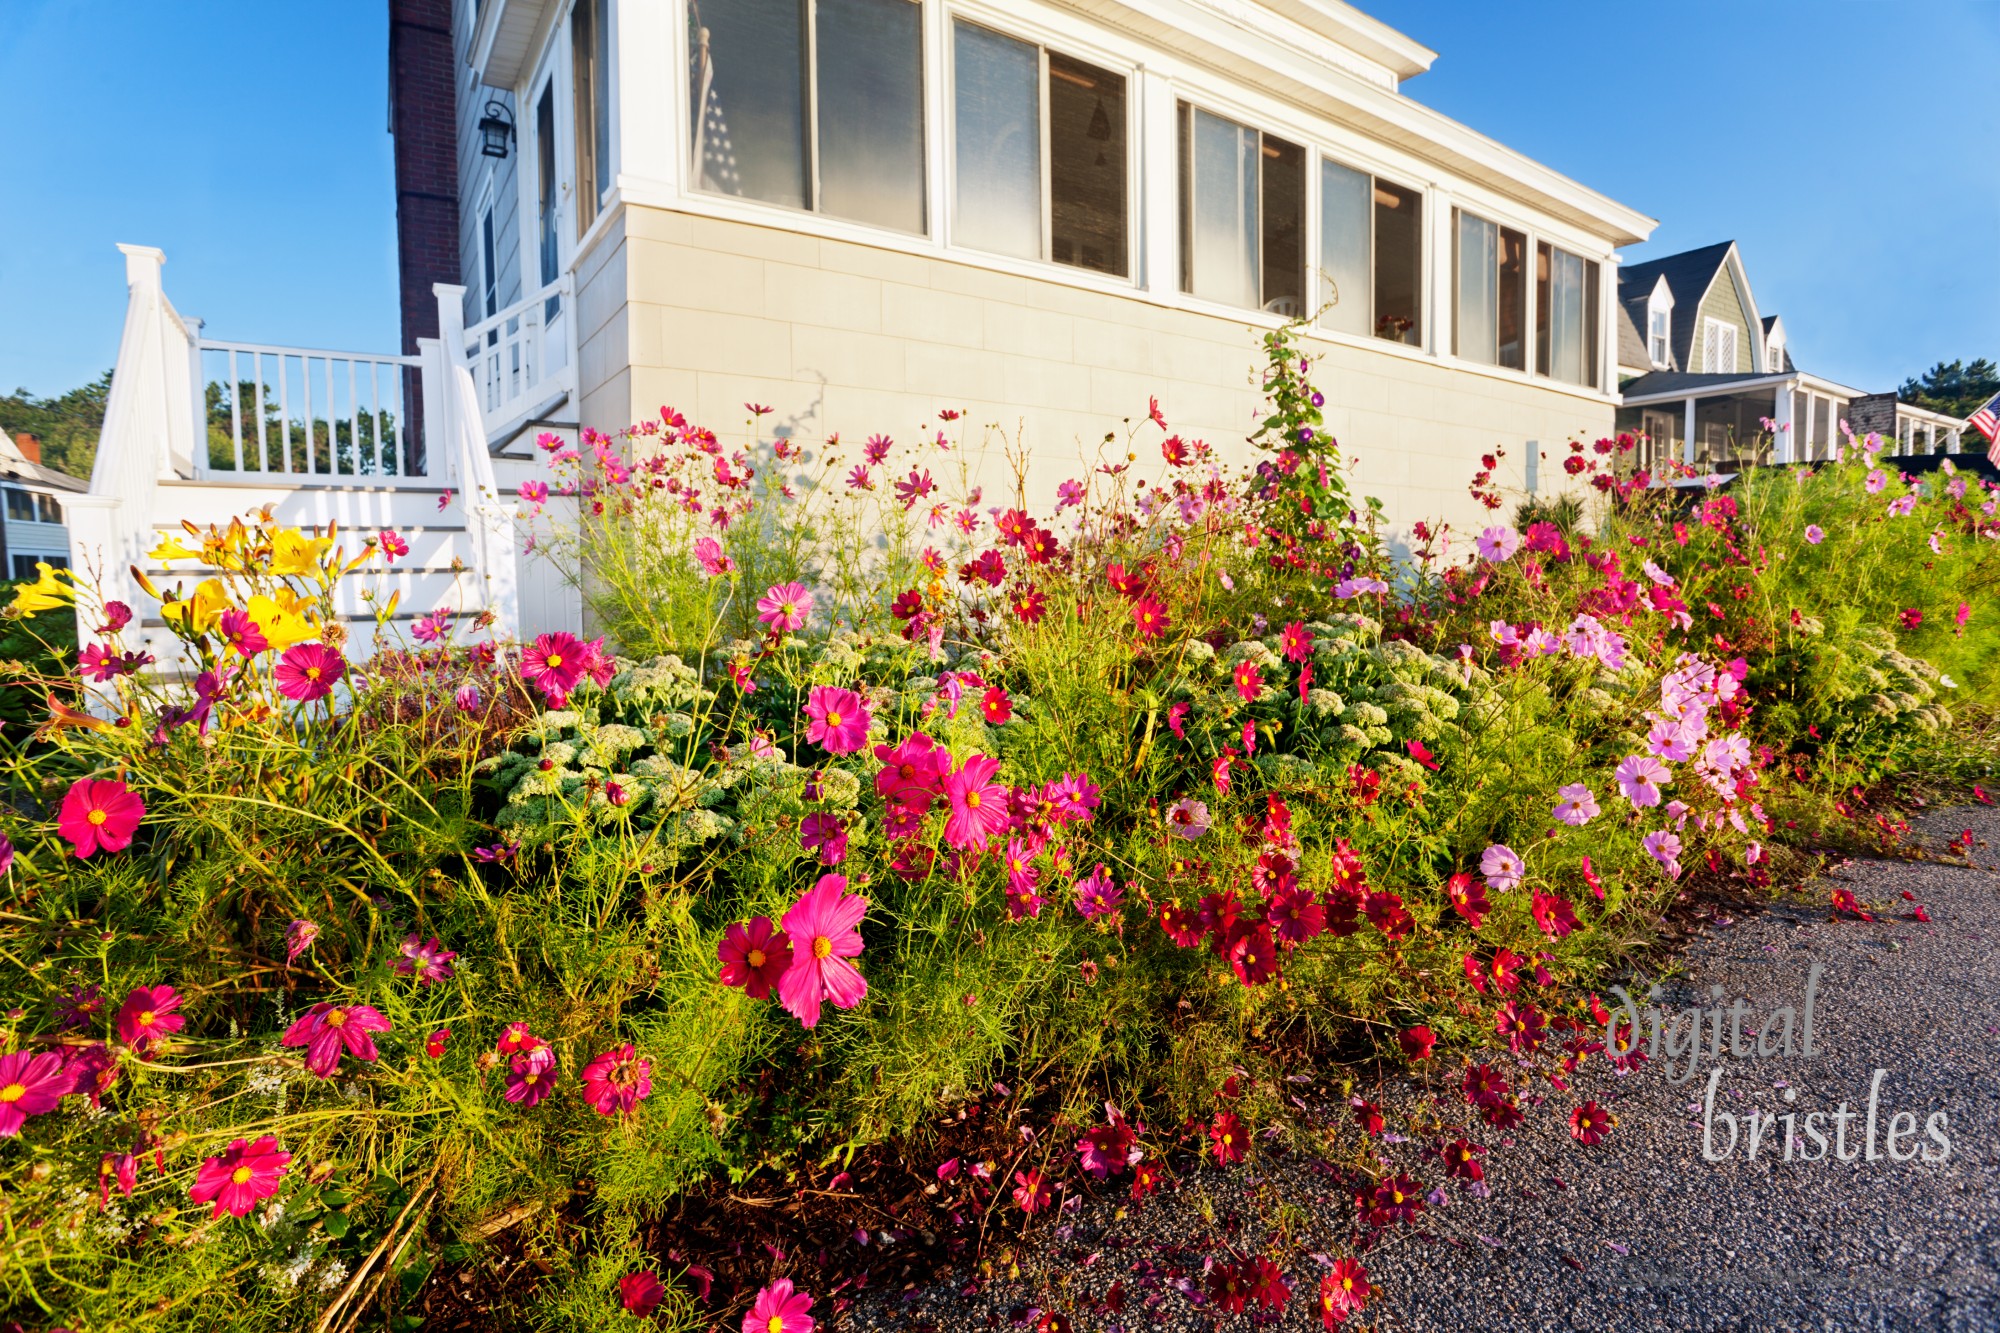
(713, 161)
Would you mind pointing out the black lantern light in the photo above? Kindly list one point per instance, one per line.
(496, 130)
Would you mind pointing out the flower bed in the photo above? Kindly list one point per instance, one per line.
(902, 816)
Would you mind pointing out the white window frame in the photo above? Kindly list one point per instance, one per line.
(1716, 335)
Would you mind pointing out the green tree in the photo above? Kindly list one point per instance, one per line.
(1954, 387)
(67, 425)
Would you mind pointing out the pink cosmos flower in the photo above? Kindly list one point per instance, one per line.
(308, 672)
(1501, 867)
(242, 633)
(824, 926)
(1815, 534)
(434, 1044)
(1664, 847)
(30, 1084)
(1877, 479)
(708, 553)
(147, 1015)
(978, 804)
(432, 628)
(823, 833)
(238, 1178)
(1249, 681)
(754, 955)
(1031, 1192)
(1639, 777)
(327, 1029)
(1296, 642)
(1498, 543)
(535, 493)
(1577, 807)
(299, 937)
(1188, 818)
(516, 1037)
(553, 664)
(785, 606)
(426, 960)
(997, 705)
(531, 1077)
(119, 1167)
(393, 545)
(99, 813)
(618, 1080)
(839, 719)
(1097, 894)
(117, 616)
(779, 1309)
(641, 1292)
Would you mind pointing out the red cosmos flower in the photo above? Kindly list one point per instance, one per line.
(1364, 783)
(1845, 903)
(1461, 1161)
(1343, 910)
(121, 1167)
(434, 1044)
(1589, 1123)
(1483, 1085)
(1231, 1141)
(1127, 585)
(30, 1084)
(328, 1029)
(1386, 913)
(907, 604)
(1252, 953)
(1031, 1192)
(91, 1070)
(1520, 1024)
(515, 1038)
(1295, 915)
(1182, 927)
(1228, 1288)
(1398, 1199)
(1421, 754)
(1554, 915)
(1267, 1283)
(1151, 617)
(1502, 1114)
(1911, 617)
(1040, 546)
(988, 568)
(641, 1292)
(392, 545)
(1153, 412)
(997, 705)
(238, 1178)
(1249, 681)
(308, 672)
(1174, 450)
(1296, 642)
(617, 1081)
(1343, 1292)
(1417, 1043)
(1014, 525)
(1145, 1179)
(99, 813)
(1030, 606)
(1346, 868)
(1369, 1116)
(148, 1014)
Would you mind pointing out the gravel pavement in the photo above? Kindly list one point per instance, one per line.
(1640, 1232)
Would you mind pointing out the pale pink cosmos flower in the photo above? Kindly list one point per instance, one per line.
(1577, 807)
(1544, 643)
(1502, 867)
(824, 927)
(785, 606)
(1504, 634)
(1498, 543)
(1902, 505)
(1815, 534)
(1658, 575)
(1664, 847)
(1877, 479)
(1639, 777)
(1670, 741)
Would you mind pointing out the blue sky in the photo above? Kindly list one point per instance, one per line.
(1846, 144)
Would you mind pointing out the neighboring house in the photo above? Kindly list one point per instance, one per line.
(1702, 371)
(862, 212)
(31, 520)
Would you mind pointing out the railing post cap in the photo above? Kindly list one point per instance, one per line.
(142, 263)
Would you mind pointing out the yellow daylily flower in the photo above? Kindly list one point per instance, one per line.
(170, 548)
(46, 593)
(282, 627)
(293, 554)
(200, 612)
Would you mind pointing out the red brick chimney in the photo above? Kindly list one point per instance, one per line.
(30, 447)
(423, 116)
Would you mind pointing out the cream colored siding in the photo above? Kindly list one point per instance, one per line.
(705, 315)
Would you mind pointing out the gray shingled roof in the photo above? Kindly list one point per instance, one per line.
(1688, 275)
(1631, 342)
(1769, 320)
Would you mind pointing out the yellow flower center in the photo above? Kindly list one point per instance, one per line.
(240, 1175)
(98, 816)
(532, 1078)
(777, 1324)
(972, 799)
(13, 1092)
(1228, 1139)
(146, 1018)
(1347, 1284)
(336, 1018)
(555, 659)
(1397, 1195)
(755, 958)
(312, 673)
(832, 718)
(822, 947)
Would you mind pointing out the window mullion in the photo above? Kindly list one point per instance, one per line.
(1048, 159)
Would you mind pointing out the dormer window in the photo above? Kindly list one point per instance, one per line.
(1660, 326)
(1656, 338)
(1774, 353)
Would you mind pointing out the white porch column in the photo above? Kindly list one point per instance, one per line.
(1781, 413)
(1687, 436)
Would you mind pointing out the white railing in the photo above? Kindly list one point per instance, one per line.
(522, 358)
(302, 414)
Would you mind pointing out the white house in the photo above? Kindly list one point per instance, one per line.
(31, 508)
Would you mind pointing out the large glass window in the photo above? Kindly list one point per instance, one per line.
(1369, 249)
(1242, 214)
(1565, 315)
(1492, 293)
(1074, 210)
(811, 104)
(589, 51)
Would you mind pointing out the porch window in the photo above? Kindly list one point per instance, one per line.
(812, 104)
(1018, 107)
(589, 51)
(1565, 315)
(1242, 214)
(1492, 293)
(1368, 254)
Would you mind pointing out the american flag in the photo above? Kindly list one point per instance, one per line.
(1987, 422)
(713, 160)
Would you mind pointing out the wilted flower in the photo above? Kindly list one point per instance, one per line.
(299, 937)
(327, 1029)
(641, 1292)
(618, 1080)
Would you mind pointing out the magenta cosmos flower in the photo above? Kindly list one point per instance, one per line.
(617, 1080)
(99, 813)
(30, 1084)
(978, 804)
(426, 960)
(824, 927)
(148, 1014)
(641, 1292)
(839, 719)
(755, 955)
(308, 672)
(785, 606)
(553, 664)
(532, 1076)
(327, 1029)
(779, 1308)
(236, 1179)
